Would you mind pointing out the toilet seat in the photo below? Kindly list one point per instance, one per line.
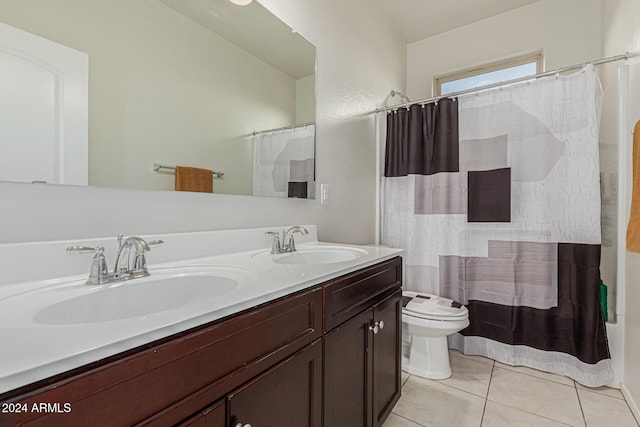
(432, 307)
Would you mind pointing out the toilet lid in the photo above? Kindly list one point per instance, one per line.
(426, 305)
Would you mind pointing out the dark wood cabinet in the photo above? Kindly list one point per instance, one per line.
(362, 366)
(362, 357)
(308, 359)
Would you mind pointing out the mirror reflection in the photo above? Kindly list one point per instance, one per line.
(198, 86)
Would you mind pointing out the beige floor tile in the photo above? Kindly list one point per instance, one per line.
(607, 391)
(433, 404)
(469, 374)
(535, 395)
(498, 415)
(605, 411)
(480, 359)
(538, 374)
(397, 421)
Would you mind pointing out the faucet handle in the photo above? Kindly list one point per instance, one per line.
(140, 262)
(99, 272)
(290, 244)
(98, 250)
(276, 247)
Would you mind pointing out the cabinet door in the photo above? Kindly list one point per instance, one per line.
(387, 344)
(287, 395)
(347, 373)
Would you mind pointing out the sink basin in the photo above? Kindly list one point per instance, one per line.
(328, 255)
(162, 291)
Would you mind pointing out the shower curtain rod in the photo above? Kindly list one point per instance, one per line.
(506, 82)
(301, 125)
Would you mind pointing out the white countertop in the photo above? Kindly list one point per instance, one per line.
(32, 350)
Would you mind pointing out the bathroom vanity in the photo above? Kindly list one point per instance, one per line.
(323, 349)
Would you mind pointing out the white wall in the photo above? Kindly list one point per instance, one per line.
(359, 61)
(306, 99)
(162, 88)
(348, 86)
(621, 33)
(567, 31)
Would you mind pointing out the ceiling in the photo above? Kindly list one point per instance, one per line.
(246, 26)
(419, 19)
(254, 29)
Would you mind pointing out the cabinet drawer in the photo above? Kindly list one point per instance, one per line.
(347, 296)
(213, 416)
(170, 381)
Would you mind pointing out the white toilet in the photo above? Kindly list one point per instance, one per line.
(427, 320)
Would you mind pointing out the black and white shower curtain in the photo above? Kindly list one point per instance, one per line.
(496, 198)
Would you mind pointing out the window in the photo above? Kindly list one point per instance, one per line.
(489, 74)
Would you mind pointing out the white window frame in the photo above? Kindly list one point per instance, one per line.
(536, 57)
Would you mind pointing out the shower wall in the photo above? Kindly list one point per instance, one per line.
(621, 33)
(609, 167)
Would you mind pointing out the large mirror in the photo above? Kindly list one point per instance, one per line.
(204, 84)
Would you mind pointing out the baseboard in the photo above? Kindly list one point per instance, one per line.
(631, 402)
(615, 336)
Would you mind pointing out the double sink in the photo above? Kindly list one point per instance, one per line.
(55, 325)
(170, 288)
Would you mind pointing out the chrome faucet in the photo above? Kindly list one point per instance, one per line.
(130, 262)
(286, 243)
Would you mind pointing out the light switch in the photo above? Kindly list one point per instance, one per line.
(324, 194)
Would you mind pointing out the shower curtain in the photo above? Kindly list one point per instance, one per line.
(496, 199)
(284, 163)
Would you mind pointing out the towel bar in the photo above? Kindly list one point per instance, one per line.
(157, 167)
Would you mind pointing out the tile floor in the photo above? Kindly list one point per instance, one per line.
(484, 393)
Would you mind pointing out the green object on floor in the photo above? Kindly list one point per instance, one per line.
(603, 301)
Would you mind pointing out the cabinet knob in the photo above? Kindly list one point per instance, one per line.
(242, 425)
(375, 328)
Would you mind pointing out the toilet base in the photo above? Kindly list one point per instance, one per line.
(427, 357)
